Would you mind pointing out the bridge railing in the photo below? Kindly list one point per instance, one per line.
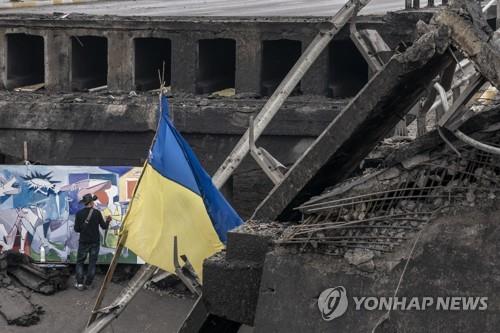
(417, 4)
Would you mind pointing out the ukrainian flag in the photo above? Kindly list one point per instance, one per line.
(176, 197)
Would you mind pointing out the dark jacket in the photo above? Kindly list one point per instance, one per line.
(89, 231)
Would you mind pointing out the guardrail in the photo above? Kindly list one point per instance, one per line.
(37, 3)
(417, 4)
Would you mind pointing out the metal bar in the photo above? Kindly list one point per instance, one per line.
(449, 119)
(442, 96)
(312, 210)
(445, 78)
(320, 42)
(25, 151)
(195, 319)
(275, 175)
(140, 278)
(190, 284)
(370, 58)
(476, 144)
(345, 201)
(488, 5)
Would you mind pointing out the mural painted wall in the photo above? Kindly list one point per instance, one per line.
(38, 206)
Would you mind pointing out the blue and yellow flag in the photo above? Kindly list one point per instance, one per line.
(176, 197)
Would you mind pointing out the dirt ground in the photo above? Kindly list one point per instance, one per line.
(67, 311)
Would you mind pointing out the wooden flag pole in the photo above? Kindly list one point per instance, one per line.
(121, 239)
(107, 278)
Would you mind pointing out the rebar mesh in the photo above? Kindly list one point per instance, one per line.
(384, 208)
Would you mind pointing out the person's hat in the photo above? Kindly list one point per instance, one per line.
(88, 198)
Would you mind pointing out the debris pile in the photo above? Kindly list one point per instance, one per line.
(18, 278)
(377, 212)
(16, 307)
(170, 285)
(46, 281)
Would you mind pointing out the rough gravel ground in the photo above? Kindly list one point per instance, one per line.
(67, 312)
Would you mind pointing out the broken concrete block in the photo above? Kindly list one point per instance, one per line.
(358, 256)
(17, 309)
(413, 161)
(472, 35)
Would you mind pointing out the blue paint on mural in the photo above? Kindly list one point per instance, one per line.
(38, 204)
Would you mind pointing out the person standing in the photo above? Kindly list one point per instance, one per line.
(87, 222)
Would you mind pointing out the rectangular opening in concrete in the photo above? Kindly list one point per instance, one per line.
(89, 62)
(348, 69)
(216, 65)
(278, 57)
(151, 54)
(25, 60)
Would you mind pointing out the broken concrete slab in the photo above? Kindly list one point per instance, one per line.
(358, 256)
(231, 280)
(370, 116)
(16, 308)
(444, 264)
(42, 280)
(472, 35)
(230, 288)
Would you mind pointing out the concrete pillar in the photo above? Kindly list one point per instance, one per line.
(57, 61)
(184, 63)
(498, 15)
(3, 59)
(120, 61)
(315, 81)
(248, 63)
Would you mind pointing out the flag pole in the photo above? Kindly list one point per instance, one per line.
(122, 237)
(107, 279)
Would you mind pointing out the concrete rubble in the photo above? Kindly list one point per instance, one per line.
(429, 205)
(389, 95)
(18, 278)
(377, 215)
(359, 234)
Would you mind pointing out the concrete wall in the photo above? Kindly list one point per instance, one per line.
(62, 54)
(65, 127)
(85, 129)
(456, 256)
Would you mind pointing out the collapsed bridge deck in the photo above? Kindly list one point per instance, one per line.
(200, 55)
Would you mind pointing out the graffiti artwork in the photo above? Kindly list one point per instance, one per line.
(38, 206)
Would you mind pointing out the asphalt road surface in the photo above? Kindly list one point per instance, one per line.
(67, 311)
(211, 7)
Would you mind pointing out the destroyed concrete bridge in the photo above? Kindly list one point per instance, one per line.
(221, 71)
(76, 53)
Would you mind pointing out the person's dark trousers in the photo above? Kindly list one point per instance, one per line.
(92, 249)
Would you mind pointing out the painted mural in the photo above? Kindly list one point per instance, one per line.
(38, 206)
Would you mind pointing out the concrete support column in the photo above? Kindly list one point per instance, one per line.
(120, 61)
(57, 61)
(184, 63)
(498, 15)
(315, 81)
(248, 63)
(3, 59)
